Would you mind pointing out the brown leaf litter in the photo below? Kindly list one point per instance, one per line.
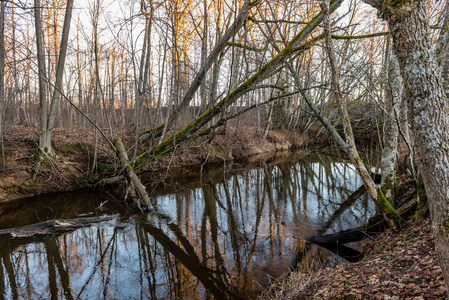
(400, 265)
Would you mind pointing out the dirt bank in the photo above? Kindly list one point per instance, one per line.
(72, 165)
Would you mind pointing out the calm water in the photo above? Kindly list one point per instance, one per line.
(225, 232)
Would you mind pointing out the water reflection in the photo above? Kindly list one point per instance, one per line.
(222, 237)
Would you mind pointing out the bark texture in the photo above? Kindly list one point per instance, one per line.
(428, 109)
(391, 131)
(443, 48)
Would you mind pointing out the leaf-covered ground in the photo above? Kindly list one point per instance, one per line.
(397, 266)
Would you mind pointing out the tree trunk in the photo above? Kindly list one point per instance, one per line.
(200, 76)
(135, 187)
(264, 72)
(46, 146)
(392, 217)
(442, 48)
(393, 92)
(203, 89)
(42, 75)
(428, 109)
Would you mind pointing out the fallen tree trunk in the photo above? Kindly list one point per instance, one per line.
(53, 226)
(135, 189)
(373, 227)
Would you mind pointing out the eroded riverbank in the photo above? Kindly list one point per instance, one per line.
(71, 167)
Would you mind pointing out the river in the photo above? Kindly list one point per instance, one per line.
(225, 231)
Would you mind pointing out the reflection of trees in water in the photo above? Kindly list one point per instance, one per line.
(216, 239)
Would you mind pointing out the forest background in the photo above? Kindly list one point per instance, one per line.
(168, 72)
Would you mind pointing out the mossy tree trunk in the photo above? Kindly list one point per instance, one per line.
(392, 217)
(207, 63)
(429, 109)
(293, 47)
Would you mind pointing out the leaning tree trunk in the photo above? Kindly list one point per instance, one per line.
(429, 109)
(390, 215)
(135, 189)
(391, 130)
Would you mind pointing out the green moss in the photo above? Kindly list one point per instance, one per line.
(37, 155)
(389, 210)
(219, 148)
(76, 179)
(105, 168)
(85, 148)
(397, 3)
(68, 148)
(390, 185)
(420, 189)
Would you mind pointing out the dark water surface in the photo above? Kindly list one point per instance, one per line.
(224, 232)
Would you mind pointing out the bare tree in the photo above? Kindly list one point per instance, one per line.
(46, 134)
(42, 74)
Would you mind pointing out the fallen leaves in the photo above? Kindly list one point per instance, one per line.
(397, 266)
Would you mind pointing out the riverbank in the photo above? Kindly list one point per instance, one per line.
(71, 167)
(399, 265)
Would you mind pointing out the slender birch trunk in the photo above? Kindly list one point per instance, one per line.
(389, 213)
(393, 93)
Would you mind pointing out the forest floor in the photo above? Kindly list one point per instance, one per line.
(400, 265)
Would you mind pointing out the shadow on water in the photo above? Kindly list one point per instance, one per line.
(224, 233)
